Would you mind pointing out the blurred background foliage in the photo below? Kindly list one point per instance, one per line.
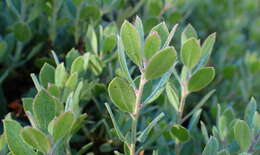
(30, 30)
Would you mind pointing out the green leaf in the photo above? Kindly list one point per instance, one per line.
(162, 30)
(28, 104)
(118, 131)
(190, 53)
(60, 75)
(242, 135)
(188, 32)
(132, 42)
(91, 13)
(208, 44)
(152, 45)
(15, 142)
(91, 40)
(160, 63)
(172, 96)
(170, 36)
(204, 131)
(78, 123)
(72, 81)
(143, 136)
(256, 120)
(44, 109)
(122, 95)
(3, 142)
(62, 125)
(77, 65)
(250, 112)
(140, 30)
(36, 139)
(22, 31)
(201, 79)
(71, 56)
(109, 43)
(122, 62)
(47, 75)
(224, 122)
(211, 147)
(179, 133)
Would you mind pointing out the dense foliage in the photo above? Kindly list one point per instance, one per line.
(130, 77)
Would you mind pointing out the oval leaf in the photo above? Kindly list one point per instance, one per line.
(152, 45)
(15, 142)
(190, 53)
(36, 139)
(242, 135)
(22, 31)
(122, 94)
(47, 75)
(188, 33)
(201, 79)
(132, 42)
(44, 109)
(179, 133)
(162, 30)
(160, 63)
(62, 125)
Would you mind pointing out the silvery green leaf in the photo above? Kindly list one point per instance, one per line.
(16, 144)
(122, 61)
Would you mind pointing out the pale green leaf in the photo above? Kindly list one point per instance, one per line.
(62, 125)
(122, 94)
(132, 42)
(242, 135)
(36, 139)
(152, 45)
(47, 75)
(188, 32)
(201, 79)
(160, 63)
(190, 53)
(44, 109)
(15, 142)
